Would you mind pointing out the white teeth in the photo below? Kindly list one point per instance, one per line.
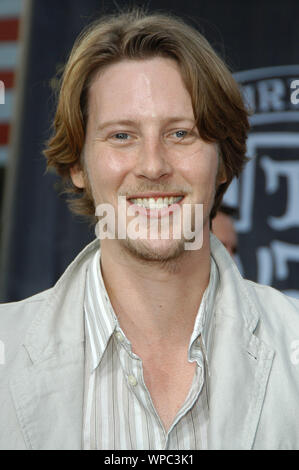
(160, 203)
(152, 203)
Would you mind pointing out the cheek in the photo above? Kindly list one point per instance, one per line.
(200, 170)
(106, 172)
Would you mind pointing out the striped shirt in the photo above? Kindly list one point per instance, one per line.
(118, 411)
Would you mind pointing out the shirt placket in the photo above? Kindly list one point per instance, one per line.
(190, 401)
(133, 370)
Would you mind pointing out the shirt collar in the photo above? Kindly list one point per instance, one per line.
(201, 338)
(101, 320)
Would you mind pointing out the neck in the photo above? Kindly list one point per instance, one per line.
(154, 301)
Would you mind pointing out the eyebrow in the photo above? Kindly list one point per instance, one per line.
(130, 122)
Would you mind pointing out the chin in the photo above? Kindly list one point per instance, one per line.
(155, 250)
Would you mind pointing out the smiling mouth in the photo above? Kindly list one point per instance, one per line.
(156, 202)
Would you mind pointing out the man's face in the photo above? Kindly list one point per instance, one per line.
(140, 142)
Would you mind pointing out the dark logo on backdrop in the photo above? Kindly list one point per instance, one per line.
(267, 194)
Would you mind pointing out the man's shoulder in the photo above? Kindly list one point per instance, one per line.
(11, 308)
(15, 320)
(277, 310)
(271, 296)
(15, 311)
(17, 315)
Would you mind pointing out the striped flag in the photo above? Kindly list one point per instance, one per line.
(10, 14)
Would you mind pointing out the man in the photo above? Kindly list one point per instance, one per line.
(143, 343)
(224, 229)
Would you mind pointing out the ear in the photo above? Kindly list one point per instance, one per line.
(77, 175)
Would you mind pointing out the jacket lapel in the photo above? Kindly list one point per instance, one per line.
(240, 361)
(240, 369)
(47, 383)
(48, 398)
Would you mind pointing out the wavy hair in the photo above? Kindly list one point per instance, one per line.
(220, 113)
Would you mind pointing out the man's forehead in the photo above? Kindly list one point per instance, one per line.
(145, 77)
(140, 89)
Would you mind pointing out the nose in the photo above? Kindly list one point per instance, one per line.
(153, 162)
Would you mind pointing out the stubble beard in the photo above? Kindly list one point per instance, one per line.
(168, 254)
(142, 249)
(168, 259)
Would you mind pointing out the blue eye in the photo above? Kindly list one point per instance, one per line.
(181, 134)
(121, 136)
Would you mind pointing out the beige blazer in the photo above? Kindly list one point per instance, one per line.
(254, 382)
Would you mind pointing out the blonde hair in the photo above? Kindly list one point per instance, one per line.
(218, 107)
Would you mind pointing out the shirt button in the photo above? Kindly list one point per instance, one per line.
(132, 380)
(119, 337)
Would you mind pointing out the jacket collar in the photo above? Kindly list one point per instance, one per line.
(60, 322)
(233, 291)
